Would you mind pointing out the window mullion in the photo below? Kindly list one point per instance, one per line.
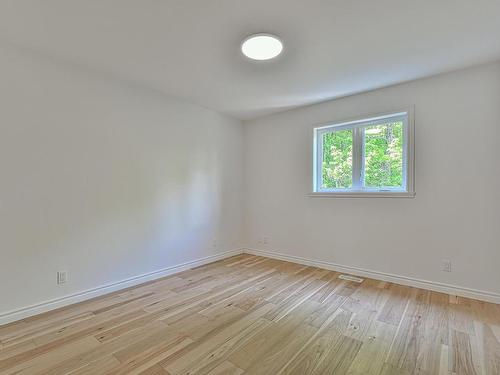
(357, 158)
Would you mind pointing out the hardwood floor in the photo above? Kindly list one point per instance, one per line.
(254, 315)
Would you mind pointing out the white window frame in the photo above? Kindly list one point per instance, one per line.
(358, 125)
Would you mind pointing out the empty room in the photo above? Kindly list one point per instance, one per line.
(248, 187)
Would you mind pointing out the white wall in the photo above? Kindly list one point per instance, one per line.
(456, 212)
(106, 180)
(109, 181)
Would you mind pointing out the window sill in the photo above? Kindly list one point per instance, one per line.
(362, 194)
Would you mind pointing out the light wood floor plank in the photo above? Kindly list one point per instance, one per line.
(254, 315)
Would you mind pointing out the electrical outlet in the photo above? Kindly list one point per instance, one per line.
(265, 240)
(446, 265)
(214, 243)
(62, 277)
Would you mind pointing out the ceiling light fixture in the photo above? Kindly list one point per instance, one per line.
(261, 46)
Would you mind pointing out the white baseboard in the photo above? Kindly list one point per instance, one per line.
(397, 279)
(18, 314)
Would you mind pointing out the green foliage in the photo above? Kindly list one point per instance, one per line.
(383, 160)
(384, 155)
(337, 160)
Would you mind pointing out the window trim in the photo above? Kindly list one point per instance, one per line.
(408, 156)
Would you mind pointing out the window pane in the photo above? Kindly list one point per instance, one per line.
(383, 159)
(337, 160)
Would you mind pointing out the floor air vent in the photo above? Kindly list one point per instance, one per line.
(351, 278)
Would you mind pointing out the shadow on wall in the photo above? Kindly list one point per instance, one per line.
(131, 223)
(103, 181)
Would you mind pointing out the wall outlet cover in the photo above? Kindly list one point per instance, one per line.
(446, 265)
(62, 277)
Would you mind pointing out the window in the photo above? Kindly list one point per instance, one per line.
(366, 157)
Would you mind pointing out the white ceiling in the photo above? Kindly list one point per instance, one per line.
(190, 48)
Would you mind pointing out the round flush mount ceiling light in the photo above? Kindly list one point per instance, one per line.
(261, 46)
